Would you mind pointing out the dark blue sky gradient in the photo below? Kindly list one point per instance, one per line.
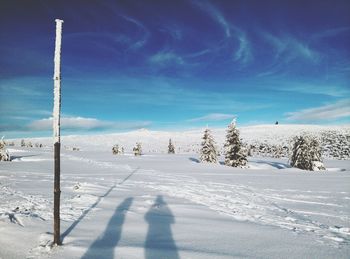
(174, 64)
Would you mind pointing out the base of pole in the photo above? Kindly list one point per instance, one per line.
(57, 194)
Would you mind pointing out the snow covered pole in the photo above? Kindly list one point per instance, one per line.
(56, 131)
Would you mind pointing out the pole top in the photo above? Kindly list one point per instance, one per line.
(59, 21)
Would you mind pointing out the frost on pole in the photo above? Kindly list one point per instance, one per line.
(56, 132)
(57, 82)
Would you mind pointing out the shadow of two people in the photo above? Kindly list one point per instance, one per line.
(159, 240)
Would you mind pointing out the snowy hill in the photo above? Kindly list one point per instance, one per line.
(262, 139)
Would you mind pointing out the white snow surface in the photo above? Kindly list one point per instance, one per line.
(170, 206)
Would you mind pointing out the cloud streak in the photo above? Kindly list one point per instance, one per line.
(243, 53)
(313, 88)
(26, 86)
(338, 110)
(288, 48)
(145, 33)
(330, 32)
(82, 123)
(165, 58)
(213, 117)
(215, 14)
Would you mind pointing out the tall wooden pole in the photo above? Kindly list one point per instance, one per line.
(56, 132)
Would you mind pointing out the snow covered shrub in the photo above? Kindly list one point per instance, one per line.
(138, 149)
(208, 151)
(4, 154)
(306, 154)
(336, 144)
(29, 144)
(77, 186)
(235, 155)
(171, 148)
(277, 151)
(115, 150)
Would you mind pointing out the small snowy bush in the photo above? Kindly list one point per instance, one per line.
(235, 154)
(336, 144)
(115, 150)
(306, 154)
(208, 151)
(4, 154)
(277, 151)
(137, 150)
(171, 148)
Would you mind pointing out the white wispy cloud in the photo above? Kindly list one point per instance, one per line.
(165, 58)
(145, 33)
(314, 88)
(173, 30)
(213, 117)
(289, 48)
(82, 123)
(340, 109)
(330, 32)
(199, 53)
(243, 53)
(216, 15)
(120, 38)
(26, 86)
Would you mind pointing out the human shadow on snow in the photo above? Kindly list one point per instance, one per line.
(159, 241)
(82, 216)
(104, 246)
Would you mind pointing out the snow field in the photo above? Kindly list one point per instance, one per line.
(114, 206)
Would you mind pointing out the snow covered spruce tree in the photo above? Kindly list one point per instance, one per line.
(306, 154)
(208, 151)
(4, 154)
(138, 149)
(235, 154)
(171, 148)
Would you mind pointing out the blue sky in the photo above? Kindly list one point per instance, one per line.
(173, 65)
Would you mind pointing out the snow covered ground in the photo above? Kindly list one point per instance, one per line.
(170, 206)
